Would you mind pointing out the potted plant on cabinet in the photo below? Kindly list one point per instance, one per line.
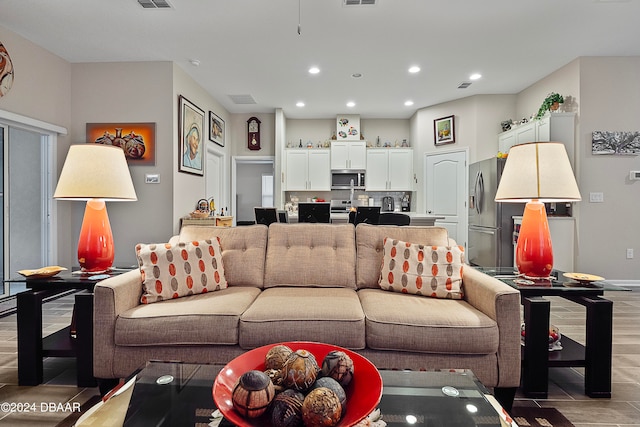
(551, 103)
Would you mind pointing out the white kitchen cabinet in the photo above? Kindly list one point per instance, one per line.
(389, 169)
(557, 127)
(348, 154)
(308, 170)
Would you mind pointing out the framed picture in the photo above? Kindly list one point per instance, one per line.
(190, 128)
(216, 129)
(444, 131)
(137, 140)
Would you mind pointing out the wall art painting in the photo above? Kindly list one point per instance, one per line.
(190, 129)
(615, 142)
(444, 131)
(216, 129)
(6, 71)
(137, 140)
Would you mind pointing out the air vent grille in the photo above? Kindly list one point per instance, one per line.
(358, 2)
(242, 99)
(464, 85)
(155, 4)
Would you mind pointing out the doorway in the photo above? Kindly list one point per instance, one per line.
(446, 187)
(252, 185)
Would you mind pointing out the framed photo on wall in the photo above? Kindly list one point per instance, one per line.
(444, 131)
(190, 128)
(137, 140)
(216, 129)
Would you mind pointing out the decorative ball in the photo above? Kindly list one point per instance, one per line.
(276, 356)
(276, 378)
(339, 366)
(321, 407)
(300, 370)
(334, 386)
(286, 409)
(252, 394)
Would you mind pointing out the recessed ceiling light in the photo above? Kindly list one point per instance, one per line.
(414, 69)
(314, 70)
(475, 76)
(356, 75)
(351, 104)
(299, 104)
(408, 103)
(195, 62)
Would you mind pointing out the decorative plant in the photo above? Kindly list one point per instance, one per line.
(551, 99)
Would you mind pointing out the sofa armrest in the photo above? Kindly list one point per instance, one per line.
(501, 302)
(112, 297)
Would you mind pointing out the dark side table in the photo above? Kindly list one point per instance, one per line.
(594, 356)
(78, 343)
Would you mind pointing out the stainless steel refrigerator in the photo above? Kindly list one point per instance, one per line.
(490, 241)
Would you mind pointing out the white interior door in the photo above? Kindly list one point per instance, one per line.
(445, 178)
(215, 173)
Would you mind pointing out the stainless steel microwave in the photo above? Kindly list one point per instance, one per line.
(346, 179)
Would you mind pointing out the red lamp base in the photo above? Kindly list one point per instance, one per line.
(95, 245)
(534, 254)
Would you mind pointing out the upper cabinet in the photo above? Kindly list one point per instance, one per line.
(389, 169)
(308, 170)
(559, 127)
(348, 155)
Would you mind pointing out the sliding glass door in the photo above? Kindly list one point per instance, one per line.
(25, 203)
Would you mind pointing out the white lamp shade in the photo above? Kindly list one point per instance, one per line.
(538, 170)
(95, 171)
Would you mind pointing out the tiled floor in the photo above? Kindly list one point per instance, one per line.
(565, 388)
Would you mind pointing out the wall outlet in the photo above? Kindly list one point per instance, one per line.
(596, 197)
(629, 253)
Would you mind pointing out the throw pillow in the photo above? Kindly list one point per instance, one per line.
(186, 268)
(434, 271)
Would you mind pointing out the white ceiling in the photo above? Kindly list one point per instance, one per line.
(252, 47)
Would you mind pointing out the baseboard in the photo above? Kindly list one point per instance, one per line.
(624, 283)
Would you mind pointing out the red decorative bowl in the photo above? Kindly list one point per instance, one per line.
(363, 393)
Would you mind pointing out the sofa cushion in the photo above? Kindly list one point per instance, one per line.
(241, 247)
(369, 241)
(203, 319)
(329, 315)
(434, 271)
(187, 268)
(403, 322)
(322, 255)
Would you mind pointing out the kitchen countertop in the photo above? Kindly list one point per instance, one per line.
(344, 216)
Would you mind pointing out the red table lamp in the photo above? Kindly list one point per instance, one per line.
(95, 173)
(536, 173)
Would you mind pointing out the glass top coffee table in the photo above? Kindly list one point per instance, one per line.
(180, 394)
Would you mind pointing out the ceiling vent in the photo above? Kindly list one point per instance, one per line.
(242, 99)
(358, 2)
(464, 85)
(155, 4)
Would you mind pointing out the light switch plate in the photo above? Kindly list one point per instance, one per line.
(152, 178)
(596, 197)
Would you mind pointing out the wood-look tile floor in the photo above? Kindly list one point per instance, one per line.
(566, 385)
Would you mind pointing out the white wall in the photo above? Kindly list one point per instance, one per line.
(42, 90)
(476, 122)
(188, 188)
(609, 100)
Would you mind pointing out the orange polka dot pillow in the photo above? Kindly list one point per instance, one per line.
(434, 271)
(174, 271)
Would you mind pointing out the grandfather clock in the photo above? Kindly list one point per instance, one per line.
(253, 133)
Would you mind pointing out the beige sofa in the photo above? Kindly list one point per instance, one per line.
(313, 282)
